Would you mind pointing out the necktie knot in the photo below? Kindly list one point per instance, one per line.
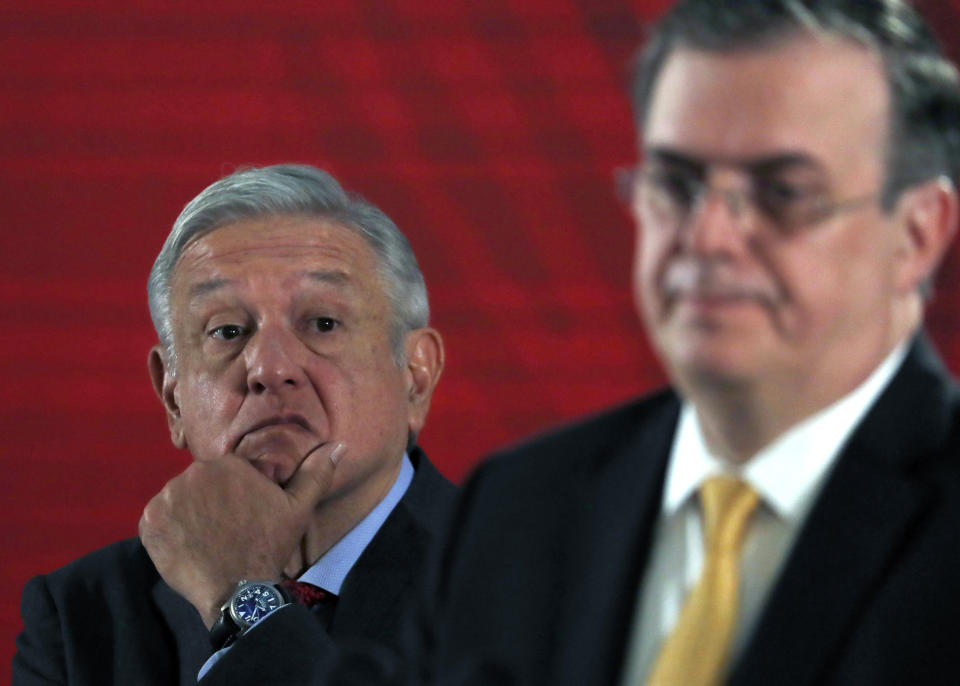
(306, 594)
(727, 505)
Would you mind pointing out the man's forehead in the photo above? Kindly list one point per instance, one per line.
(277, 236)
(297, 252)
(821, 97)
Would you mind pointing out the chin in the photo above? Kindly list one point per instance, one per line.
(719, 367)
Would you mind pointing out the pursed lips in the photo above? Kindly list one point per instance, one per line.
(279, 421)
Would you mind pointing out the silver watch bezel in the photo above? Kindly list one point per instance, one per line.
(243, 585)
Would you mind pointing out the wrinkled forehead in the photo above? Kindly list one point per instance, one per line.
(276, 233)
(287, 250)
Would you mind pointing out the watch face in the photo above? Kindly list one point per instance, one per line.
(252, 603)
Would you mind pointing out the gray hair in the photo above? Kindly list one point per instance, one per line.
(924, 140)
(300, 191)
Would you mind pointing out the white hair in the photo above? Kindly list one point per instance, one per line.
(301, 191)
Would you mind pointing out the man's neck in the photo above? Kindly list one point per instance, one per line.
(738, 425)
(739, 420)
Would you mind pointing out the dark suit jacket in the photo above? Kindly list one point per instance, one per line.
(109, 618)
(551, 540)
(537, 581)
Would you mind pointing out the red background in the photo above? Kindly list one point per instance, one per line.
(487, 130)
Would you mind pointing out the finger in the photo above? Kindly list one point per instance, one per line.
(310, 483)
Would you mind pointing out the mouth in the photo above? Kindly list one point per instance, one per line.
(714, 299)
(710, 308)
(280, 421)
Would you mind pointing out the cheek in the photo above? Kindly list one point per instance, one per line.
(648, 257)
(831, 290)
(207, 414)
(359, 389)
(379, 400)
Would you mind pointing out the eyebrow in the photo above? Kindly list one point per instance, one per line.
(759, 164)
(199, 290)
(331, 276)
(327, 276)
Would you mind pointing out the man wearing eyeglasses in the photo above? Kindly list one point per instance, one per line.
(789, 511)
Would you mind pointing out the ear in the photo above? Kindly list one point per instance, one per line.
(165, 385)
(928, 216)
(424, 364)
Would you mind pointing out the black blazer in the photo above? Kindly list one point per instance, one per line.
(540, 579)
(537, 581)
(108, 618)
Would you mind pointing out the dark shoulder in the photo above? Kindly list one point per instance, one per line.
(116, 576)
(586, 443)
(547, 471)
(124, 564)
(522, 503)
(430, 495)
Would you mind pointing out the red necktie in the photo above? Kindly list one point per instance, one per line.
(306, 594)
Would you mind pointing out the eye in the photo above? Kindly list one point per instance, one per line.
(227, 332)
(789, 202)
(679, 186)
(324, 324)
(781, 192)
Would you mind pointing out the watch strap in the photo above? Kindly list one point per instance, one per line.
(224, 631)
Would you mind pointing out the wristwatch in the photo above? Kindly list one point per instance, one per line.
(249, 603)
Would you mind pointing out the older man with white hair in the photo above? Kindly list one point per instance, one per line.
(296, 364)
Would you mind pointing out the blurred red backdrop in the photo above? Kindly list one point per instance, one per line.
(489, 131)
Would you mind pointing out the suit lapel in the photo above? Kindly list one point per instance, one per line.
(380, 584)
(859, 522)
(376, 589)
(608, 551)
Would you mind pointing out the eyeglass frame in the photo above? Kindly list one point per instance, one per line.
(630, 180)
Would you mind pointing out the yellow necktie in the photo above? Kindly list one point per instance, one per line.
(696, 653)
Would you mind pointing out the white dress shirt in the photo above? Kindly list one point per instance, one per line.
(787, 475)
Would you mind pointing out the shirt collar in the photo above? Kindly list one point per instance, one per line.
(333, 566)
(788, 472)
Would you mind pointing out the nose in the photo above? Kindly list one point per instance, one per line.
(273, 362)
(718, 221)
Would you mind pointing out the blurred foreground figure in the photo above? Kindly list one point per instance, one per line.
(296, 365)
(789, 511)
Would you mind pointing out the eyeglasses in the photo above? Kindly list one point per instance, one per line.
(671, 194)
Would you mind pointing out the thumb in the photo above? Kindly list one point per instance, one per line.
(313, 478)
